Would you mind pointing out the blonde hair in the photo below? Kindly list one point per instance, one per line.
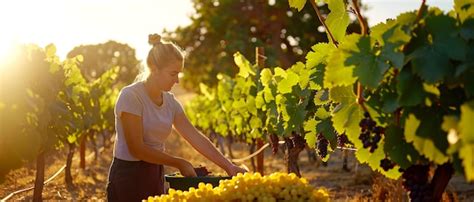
(161, 54)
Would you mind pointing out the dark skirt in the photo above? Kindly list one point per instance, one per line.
(134, 180)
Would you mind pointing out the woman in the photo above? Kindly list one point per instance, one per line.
(144, 115)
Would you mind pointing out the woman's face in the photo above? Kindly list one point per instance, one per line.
(165, 78)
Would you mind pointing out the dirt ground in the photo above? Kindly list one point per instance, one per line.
(359, 184)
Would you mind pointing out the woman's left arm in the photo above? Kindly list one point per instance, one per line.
(202, 144)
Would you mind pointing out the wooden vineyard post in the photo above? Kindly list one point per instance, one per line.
(260, 60)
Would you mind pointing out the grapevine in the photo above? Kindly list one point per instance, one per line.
(400, 91)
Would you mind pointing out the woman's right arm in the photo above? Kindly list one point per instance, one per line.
(133, 131)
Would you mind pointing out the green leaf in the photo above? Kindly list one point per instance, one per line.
(391, 37)
(50, 50)
(399, 151)
(390, 103)
(337, 74)
(245, 68)
(467, 29)
(431, 89)
(298, 4)
(294, 113)
(80, 58)
(321, 113)
(446, 38)
(373, 160)
(390, 33)
(431, 118)
(466, 126)
(338, 19)
(449, 122)
(409, 89)
(347, 120)
(430, 64)
(259, 100)
(326, 128)
(279, 72)
(464, 8)
(268, 95)
(54, 67)
(310, 129)
(424, 146)
(304, 78)
(286, 85)
(71, 138)
(467, 155)
(255, 122)
(251, 106)
(319, 54)
(321, 97)
(205, 91)
(343, 94)
(239, 104)
(368, 67)
(266, 76)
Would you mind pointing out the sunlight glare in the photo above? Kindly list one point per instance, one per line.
(6, 53)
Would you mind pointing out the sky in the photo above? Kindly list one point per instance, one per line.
(379, 10)
(68, 23)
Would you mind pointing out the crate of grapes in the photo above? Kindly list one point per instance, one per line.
(179, 182)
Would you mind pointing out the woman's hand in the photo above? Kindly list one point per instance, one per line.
(234, 169)
(186, 169)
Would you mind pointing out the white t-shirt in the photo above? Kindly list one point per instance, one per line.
(157, 120)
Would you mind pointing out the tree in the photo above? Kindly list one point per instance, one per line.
(222, 27)
(101, 57)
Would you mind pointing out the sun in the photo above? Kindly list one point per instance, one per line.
(6, 48)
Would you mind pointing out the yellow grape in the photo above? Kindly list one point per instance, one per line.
(251, 187)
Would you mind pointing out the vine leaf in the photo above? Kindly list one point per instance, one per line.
(467, 136)
(298, 4)
(409, 89)
(424, 146)
(245, 68)
(465, 125)
(430, 64)
(446, 36)
(399, 151)
(369, 68)
(338, 19)
(337, 72)
(311, 133)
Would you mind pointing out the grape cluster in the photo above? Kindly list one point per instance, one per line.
(251, 187)
(274, 143)
(415, 180)
(322, 146)
(342, 140)
(370, 133)
(386, 164)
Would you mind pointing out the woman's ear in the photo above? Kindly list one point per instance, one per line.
(153, 70)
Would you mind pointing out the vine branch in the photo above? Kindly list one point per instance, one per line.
(420, 10)
(363, 27)
(322, 20)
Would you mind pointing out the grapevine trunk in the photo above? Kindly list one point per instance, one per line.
(39, 181)
(68, 176)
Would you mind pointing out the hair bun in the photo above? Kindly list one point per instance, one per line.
(154, 39)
